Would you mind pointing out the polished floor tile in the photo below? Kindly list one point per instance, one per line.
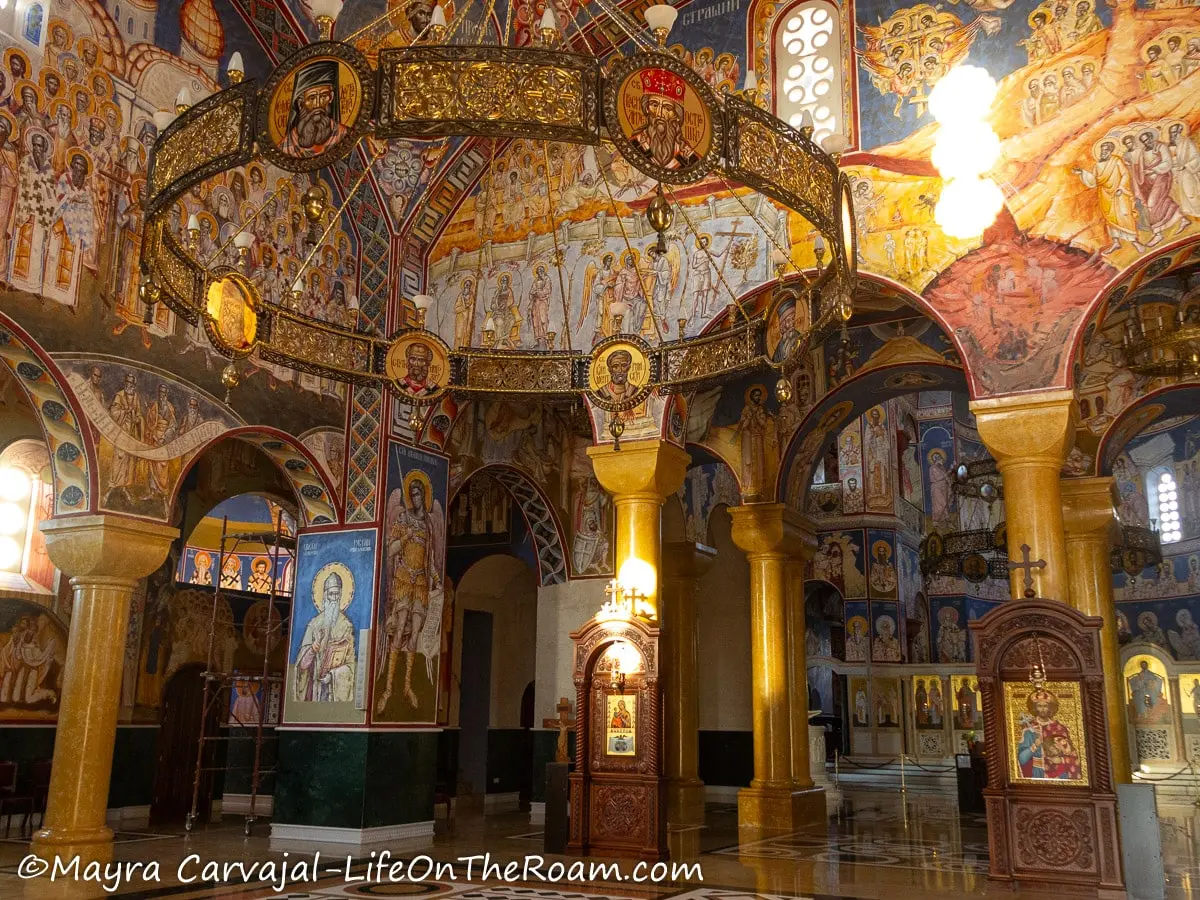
(874, 846)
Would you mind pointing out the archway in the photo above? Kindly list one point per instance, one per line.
(540, 518)
(72, 451)
(845, 403)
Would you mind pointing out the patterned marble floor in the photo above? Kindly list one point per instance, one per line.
(875, 846)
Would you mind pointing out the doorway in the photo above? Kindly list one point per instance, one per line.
(525, 786)
(178, 740)
(475, 702)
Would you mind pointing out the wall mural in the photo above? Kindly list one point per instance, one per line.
(415, 616)
(76, 127)
(705, 486)
(33, 647)
(148, 425)
(331, 618)
(548, 447)
(328, 447)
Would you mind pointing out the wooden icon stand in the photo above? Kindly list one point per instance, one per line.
(618, 792)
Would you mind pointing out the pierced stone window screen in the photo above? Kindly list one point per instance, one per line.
(808, 67)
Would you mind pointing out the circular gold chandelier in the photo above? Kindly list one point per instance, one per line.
(431, 89)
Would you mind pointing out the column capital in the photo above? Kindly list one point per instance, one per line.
(640, 467)
(107, 546)
(1023, 428)
(771, 528)
(686, 559)
(1089, 506)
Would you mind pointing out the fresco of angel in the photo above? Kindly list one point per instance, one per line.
(910, 51)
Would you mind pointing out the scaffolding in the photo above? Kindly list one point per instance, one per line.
(218, 684)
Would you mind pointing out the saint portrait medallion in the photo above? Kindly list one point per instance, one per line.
(317, 105)
(418, 364)
(787, 326)
(620, 373)
(663, 118)
(231, 313)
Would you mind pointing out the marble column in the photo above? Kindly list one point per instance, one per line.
(770, 533)
(683, 563)
(1088, 505)
(105, 556)
(1029, 435)
(640, 476)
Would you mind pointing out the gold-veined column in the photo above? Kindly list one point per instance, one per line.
(105, 556)
(684, 563)
(640, 476)
(1029, 435)
(1088, 505)
(770, 534)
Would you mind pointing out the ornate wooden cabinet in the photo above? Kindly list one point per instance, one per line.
(618, 792)
(1051, 805)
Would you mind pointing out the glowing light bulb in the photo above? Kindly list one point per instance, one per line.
(14, 484)
(640, 575)
(964, 93)
(10, 553)
(968, 206)
(12, 518)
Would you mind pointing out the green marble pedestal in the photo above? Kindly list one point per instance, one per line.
(354, 788)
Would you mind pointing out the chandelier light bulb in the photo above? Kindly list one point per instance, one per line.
(751, 81)
(638, 575)
(965, 149)
(968, 206)
(438, 18)
(548, 23)
(243, 240)
(661, 19)
(235, 69)
(835, 143)
(965, 93)
(163, 119)
(10, 553)
(14, 485)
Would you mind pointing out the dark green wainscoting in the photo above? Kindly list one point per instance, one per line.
(355, 779)
(545, 746)
(133, 758)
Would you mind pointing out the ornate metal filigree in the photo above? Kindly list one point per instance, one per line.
(692, 363)
(513, 372)
(506, 92)
(771, 156)
(431, 91)
(333, 350)
(214, 135)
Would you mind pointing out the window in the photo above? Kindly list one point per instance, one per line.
(808, 71)
(1163, 496)
(25, 500)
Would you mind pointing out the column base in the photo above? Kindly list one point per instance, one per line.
(685, 802)
(763, 812)
(683, 842)
(89, 844)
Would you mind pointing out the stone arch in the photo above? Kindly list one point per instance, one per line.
(315, 496)
(1154, 265)
(549, 539)
(845, 403)
(1165, 403)
(72, 451)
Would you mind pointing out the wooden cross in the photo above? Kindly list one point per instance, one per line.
(563, 723)
(1028, 566)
